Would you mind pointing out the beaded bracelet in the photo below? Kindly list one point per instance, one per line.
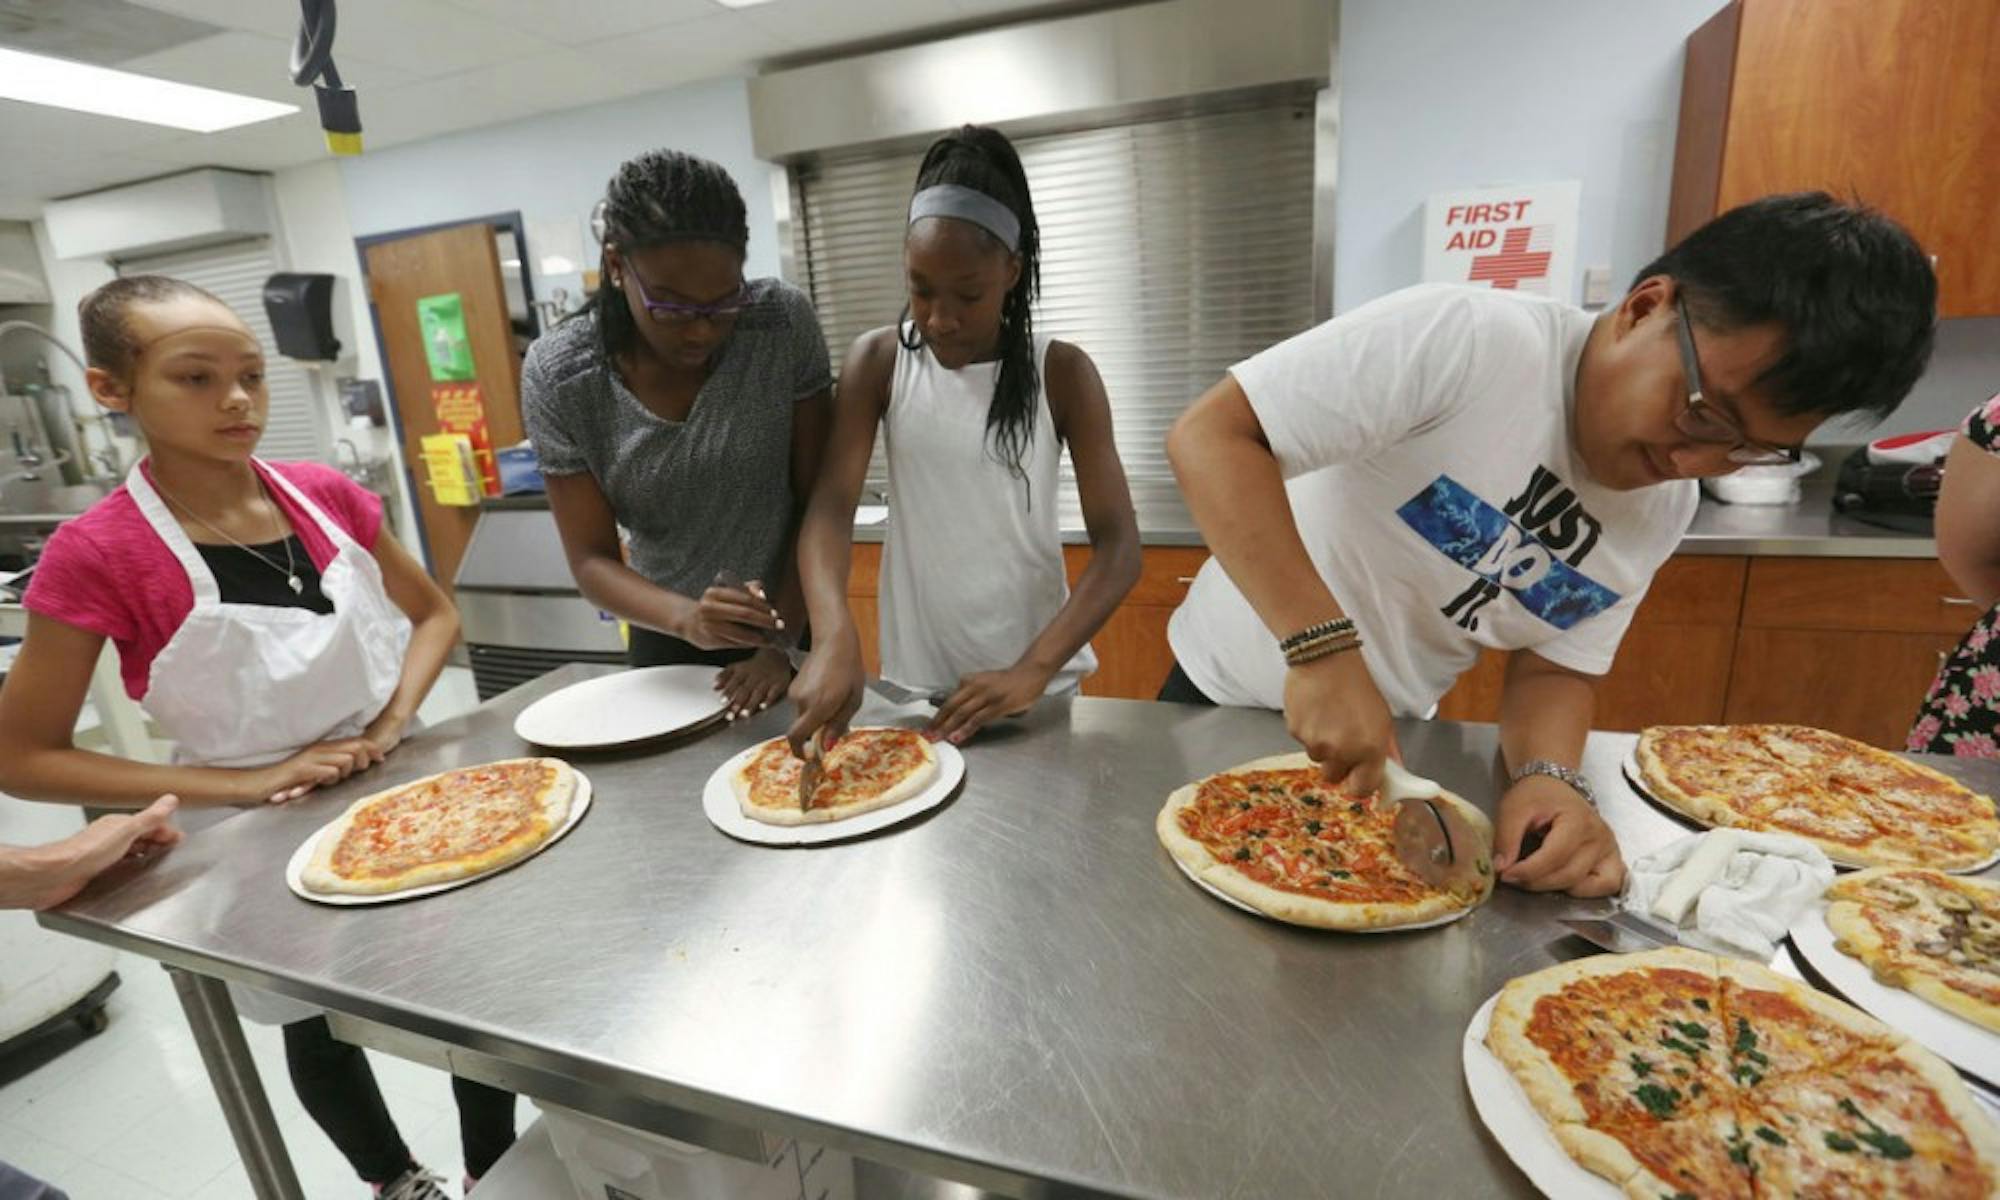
(1322, 648)
(1315, 632)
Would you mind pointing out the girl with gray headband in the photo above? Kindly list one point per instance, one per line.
(976, 408)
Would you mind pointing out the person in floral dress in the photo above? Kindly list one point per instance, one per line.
(1961, 712)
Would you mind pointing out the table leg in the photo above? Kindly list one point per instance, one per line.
(233, 1073)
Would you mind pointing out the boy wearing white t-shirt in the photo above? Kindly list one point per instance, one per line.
(1450, 469)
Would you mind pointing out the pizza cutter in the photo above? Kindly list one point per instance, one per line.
(810, 771)
(1431, 839)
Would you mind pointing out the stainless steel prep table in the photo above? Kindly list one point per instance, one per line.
(1019, 991)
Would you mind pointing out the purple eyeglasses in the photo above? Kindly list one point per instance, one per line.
(674, 313)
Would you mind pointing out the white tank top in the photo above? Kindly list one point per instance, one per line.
(973, 568)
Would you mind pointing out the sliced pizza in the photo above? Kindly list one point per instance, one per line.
(1935, 935)
(1276, 836)
(1862, 805)
(1677, 1074)
(868, 769)
(442, 828)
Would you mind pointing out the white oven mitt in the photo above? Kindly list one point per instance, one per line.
(1728, 890)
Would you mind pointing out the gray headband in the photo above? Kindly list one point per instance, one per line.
(952, 200)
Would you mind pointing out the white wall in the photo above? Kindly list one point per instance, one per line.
(1441, 94)
(316, 235)
(552, 168)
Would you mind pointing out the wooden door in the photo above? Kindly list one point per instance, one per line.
(462, 259)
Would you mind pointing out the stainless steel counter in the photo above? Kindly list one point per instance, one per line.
(1019, 991)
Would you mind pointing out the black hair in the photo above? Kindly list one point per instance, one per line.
(658, 197)
(1852, 291)
(107, 338)
(982, 159)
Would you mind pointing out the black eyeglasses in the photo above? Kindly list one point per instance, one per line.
(673, 313)
(1706, 423)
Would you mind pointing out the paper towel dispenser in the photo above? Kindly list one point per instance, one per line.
(302, 316)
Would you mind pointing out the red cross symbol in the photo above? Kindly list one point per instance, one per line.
(1515, 261)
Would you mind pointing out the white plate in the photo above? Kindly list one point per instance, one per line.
(1233, 902)
(1958, 1041)
(1515, 1124)
(631, 706)
(1632, 777)
(295, 869)
(718, 800)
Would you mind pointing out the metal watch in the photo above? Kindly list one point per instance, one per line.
(1555, 770)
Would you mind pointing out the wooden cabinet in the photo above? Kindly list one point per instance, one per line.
(1132, 653)
(1133, 657)
(1673, 666)
(1890, 101)
(1849, 645)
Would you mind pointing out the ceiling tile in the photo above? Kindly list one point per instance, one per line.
(93, 31)
(817, 24)
(429, 38)
(575, 24)
(266, 146)
(727, 43)
(551, 80)
(275, 19)
(255, 64)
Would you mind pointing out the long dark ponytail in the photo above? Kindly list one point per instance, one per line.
(982, 159)
(658, 197)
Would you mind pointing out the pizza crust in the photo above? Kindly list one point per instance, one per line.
(553, 801)
(906, 788)
(1310, 911)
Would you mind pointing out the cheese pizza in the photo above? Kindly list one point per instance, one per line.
(1862, 805)
(1276, 836)
(448, 826)
(866, 770)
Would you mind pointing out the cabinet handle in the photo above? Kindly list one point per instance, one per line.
(1184, 580)
(1957, 602)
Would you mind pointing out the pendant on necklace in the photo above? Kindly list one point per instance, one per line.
(298, 588)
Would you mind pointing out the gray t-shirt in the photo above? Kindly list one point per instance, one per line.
(696, 495)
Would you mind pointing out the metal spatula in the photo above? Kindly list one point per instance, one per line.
(810, 771)
(1431, 839)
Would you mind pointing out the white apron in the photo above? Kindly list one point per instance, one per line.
(245, 685)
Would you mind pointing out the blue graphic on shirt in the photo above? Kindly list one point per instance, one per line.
(1505, 555)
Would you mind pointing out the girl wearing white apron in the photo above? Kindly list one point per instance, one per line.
(275, 666)
(976, 409)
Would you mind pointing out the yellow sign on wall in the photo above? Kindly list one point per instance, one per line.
(450, 469)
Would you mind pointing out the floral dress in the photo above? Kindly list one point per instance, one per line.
(1961, 712)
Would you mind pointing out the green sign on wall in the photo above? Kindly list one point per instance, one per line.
(442, 320)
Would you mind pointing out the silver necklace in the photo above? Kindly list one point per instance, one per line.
(289, 570)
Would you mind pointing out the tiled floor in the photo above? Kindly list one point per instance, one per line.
(128, 1114)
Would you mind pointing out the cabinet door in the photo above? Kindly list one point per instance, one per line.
(1133, 657)
(1865, 685)
(1890, 101)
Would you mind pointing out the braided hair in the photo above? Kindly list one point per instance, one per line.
(658, 197)
(982, 159)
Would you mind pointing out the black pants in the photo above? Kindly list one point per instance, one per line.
(1179, 689)
(338, 1088)
(650, 648)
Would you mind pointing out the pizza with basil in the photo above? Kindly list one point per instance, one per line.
(1676, 1074)
(1862, 805)
(865, 770)
(448, 826)
(1932, 934)
(1276, 836)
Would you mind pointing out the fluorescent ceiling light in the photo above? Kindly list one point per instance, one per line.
(741, 3)
(60, 83)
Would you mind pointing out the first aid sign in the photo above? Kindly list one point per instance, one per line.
(1512, 238)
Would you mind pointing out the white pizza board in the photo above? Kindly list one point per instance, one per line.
(615, 710)
(1515, 1124)
(718, 801)
(1634, 778)
(1958, 1041)
(295, 869)
(1233, 902)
